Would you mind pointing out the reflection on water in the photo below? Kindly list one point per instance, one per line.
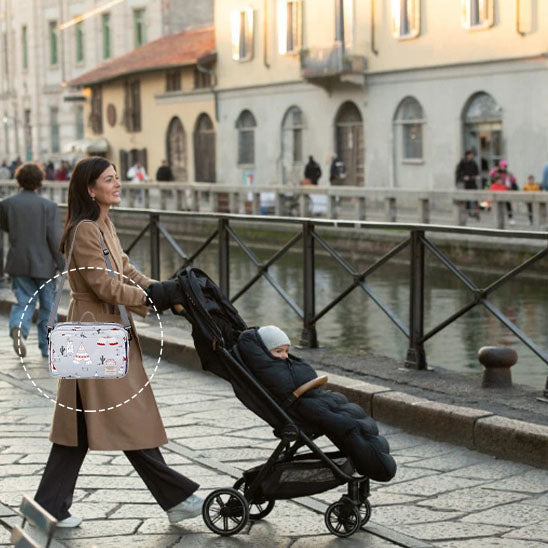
(357, 326)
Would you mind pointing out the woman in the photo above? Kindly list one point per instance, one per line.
(134, 427)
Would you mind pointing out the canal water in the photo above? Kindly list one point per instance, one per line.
(356, 326)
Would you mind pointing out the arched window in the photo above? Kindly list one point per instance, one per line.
(246, 125)
(292, 135)
(350, 143)
(204, 149)
(176, 149)
(408, 122)
(482, 131)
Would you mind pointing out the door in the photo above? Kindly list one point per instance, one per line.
(204, 150)
(350, 143)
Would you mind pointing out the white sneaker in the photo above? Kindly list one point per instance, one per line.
(188, 508)
(71, 521)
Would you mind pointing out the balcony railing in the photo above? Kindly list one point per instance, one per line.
(331, 62)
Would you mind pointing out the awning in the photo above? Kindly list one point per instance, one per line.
(87, 146)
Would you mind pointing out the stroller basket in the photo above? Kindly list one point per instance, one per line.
(304, 475)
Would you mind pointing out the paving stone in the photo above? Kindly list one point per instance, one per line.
(193, 431)
(431, 485)
(106, 469)
(406, 514)
(381, 498)
(471, 500)
(534, 481)
(448, 530)
(161, 526)
(424, 450)
(124, 496)
(406, 473)
(217, 442)
(451, 461)
(215, 541)
(100, 528)
(93, 510)
(358, 540)
(536, 531)
(516, 514)
(234, 455)
(541, 500)
(10, 470)
(489, 543)
(10, 459)
(110, 482)
(491, 469)
(144, 511)
(141, 541)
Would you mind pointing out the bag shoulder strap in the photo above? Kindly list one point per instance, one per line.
(106, 254)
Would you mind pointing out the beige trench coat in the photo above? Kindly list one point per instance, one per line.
(94, 295)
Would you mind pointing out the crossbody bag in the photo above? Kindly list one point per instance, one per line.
(88, 350)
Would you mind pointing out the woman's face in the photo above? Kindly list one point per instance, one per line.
(107, 188)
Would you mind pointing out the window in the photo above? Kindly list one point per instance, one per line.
(242, 34)
(408, 122)
(344, 22)
(201, 79)
(107, 49)
(53, 50)
(246, 138)
(173, 80)
(289, 26)
(25, 47)
(133, 105)
(406, 18)
(139, 29)
(54, 129)
(79, 122)
(79, 40)
(96, 116)
(292, 137)
(477, 14)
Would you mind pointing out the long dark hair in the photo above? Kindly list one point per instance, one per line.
(80, 205)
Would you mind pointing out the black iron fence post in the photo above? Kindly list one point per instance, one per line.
(224, 257)
(416, 358)
(154, 246)
(309, 337)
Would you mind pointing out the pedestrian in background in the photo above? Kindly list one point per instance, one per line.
(530, 186)
(14, 165)
(312, 171)
(337, 171)
(62, 172)
(466, 175)
(507, 177)
(164, 172)
(136, 427)
(32, 224)
(5, 173)
(137, 174)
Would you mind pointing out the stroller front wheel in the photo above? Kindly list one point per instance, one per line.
(342, 518)
(225, 511)
(365, 512)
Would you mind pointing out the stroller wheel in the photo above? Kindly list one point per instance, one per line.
(365, 512)
(342, 518)
(225, 511)
(257, 510)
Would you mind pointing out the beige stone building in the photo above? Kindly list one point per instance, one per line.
(46, 43)
(396, 88)
(156, 102)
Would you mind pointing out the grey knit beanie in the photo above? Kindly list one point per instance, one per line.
(273, 336)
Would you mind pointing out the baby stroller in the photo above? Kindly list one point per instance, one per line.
(289, 472)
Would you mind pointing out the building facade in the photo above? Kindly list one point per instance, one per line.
(155, 103)
(397, 89)
(46, 43)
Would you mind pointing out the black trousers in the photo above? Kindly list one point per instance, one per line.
(56, 488)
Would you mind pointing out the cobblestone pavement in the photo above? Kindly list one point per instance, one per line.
(443, 495)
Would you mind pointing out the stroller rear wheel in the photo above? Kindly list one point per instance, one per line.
(225, 511)
(342, 518)
(257, 510)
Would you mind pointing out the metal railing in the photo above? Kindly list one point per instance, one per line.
(331, 202)
(416, 240)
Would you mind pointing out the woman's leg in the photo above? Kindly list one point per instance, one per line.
(167, 486)
(59, 479)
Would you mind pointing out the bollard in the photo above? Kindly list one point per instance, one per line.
(497, 361)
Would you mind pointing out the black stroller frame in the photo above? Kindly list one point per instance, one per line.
(227, 511)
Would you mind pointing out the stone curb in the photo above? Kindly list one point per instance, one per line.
(474, 428)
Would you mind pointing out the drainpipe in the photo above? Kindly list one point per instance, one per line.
(265, 35)
(212, 87)
(518, 18)
(373, 48)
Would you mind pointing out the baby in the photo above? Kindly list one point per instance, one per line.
(275, 340)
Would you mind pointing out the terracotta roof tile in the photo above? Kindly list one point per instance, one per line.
(174, 50)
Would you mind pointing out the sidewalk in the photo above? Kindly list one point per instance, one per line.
(443, 495)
